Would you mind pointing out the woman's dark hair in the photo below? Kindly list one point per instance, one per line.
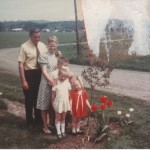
(34, 30)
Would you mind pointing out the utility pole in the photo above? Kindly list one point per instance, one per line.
(77, 34)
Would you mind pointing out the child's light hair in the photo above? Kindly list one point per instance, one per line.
(62, 60)
(63, 71)
(79, 79)
(52, 39)
(65, 68)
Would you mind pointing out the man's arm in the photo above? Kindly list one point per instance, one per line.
(24, 83)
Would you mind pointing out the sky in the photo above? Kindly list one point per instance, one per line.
(51, 10)
(55, 10)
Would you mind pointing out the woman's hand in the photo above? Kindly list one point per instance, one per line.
(52, 82)
(58, 53)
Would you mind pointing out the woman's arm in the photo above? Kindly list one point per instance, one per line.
(47, 76)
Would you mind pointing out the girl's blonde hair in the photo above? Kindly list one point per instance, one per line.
(79, 79)
(52, 39)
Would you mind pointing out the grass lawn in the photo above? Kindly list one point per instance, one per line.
(14, 133)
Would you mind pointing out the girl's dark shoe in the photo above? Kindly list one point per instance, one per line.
(74, 133)
(80, 132)
(63, 135)
(59, 136)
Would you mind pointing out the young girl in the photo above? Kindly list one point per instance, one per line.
(48, 63)
(62, 61)
(60, 101)
(79, 102)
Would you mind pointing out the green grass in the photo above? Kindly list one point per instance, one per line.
(10, 86)
(137, 63)
(12, 39)
(14, 133)
(15, 39)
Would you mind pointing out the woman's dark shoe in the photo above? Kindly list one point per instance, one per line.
(52, 128)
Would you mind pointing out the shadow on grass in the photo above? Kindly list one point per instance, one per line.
(16, 135)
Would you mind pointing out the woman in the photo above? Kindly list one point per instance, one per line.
(48, 63)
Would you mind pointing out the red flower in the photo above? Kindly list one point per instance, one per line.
(102, 106)
(109, 103)
(103, 99)
(94, 107)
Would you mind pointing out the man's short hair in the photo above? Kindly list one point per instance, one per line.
(34, 30)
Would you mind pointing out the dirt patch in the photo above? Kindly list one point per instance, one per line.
(76, 142)
(15, 108)
(84, 141)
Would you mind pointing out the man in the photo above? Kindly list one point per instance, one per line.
(30, 74)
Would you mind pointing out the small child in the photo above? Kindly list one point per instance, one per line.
(79, 102)
(60, 101)
(62, 62)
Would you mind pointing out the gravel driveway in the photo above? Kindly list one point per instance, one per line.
(123, 82)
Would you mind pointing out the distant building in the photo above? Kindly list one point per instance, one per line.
(45, 30)
(17, 29)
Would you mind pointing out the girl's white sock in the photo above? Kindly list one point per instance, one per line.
(73, 130)
(62, 125)
(78, 129)
(58, 128)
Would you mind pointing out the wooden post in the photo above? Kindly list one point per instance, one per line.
(77, 34)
